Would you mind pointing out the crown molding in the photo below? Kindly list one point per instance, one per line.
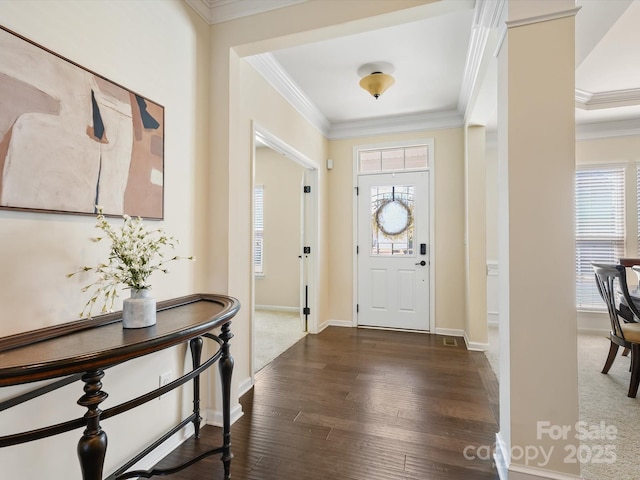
(267, 66)
(396, 124)
(486, 17)
(218, 11)
(519, 22)
(619, 128)
(616, 98)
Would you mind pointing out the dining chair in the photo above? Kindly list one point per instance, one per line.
(622, 334)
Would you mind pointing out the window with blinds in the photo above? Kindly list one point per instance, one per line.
(393, 159)
(638, 206)
(258, 230)
(599, 227)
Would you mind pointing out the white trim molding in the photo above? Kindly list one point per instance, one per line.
(214, 417)
(507, 471)
(493, 315)
(593, 322)
(396, 124)
(218, 11)
(501, 458)
(450, 332)
(517, 472)
(615, 98)
(486, 17)
(267, 66)
(620, 128)
(277, 308)
(475, 346)
(519, 22)
(492, 268)
(164, 449)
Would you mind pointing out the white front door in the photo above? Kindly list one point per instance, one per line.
(393, 250)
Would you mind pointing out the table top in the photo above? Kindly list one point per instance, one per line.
(102, 342)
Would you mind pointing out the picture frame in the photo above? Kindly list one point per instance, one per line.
(72, 140)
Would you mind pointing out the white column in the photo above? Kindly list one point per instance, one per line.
(475, 228)
(536, 165)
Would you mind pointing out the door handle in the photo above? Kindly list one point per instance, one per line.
(422, 263)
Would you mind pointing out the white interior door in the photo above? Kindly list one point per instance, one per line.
(393, 250)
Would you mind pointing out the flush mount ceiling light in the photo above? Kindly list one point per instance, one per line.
(377, 83)
(373, 80)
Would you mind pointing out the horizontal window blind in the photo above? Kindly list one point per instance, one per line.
(258, 229)
(599, 227)
(393, 159)
(638, 205)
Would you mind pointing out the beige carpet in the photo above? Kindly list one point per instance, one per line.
(603, 398)
(276, 331)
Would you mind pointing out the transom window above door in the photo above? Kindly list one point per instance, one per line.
(395, 159)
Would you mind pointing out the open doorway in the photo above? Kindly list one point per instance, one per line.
(283, 200)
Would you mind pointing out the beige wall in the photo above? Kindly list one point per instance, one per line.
(251, 99)
(211, 97)
(538, 350)
(161, 53)
(282, 182)
(624, 151)
(448, 260)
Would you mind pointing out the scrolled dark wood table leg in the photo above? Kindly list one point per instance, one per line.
(92, 447)
(226, 370)
(195, 344)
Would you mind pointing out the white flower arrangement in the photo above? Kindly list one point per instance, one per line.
(136, 253)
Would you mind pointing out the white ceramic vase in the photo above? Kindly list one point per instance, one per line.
(139, 310)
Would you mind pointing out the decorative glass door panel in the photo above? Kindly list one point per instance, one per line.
(392, 220)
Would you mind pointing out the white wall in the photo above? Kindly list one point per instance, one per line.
(282, 182)
(162, 54)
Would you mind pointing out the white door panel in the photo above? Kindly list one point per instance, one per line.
(393, 220)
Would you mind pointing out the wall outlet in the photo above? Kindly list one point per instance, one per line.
(164, 379)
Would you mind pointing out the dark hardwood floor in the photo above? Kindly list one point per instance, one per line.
(360, 404)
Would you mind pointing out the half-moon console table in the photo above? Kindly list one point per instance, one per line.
(83, 349)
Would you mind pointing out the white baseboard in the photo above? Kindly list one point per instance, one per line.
(183, 434)
(323, 325)
(520, 472)
(501, 458)
(278, 308)
(450, 332)
(214, 417)
(245, 386)
(340, 323)
(173, 442)
(593, 322)
(475, 346)
(335, 323)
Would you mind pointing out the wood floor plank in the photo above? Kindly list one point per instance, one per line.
(360, 404)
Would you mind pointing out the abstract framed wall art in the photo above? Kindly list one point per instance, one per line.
(70, 139)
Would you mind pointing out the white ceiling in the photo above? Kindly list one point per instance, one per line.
(437, 59)
(427, 78)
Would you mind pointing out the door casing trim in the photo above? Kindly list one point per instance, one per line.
(430, 143)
